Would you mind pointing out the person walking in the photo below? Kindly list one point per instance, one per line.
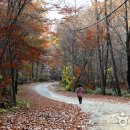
(79, 93)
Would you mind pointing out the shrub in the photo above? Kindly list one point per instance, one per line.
(22, 79)
(125, 93)
(43, 77)
(89, 90)
(110, 92)
(2, 110)
(1, 78)
(97, 91)
(66, 78)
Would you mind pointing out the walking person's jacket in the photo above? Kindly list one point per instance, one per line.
(80, 91)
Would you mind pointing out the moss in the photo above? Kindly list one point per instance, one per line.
(2, 110)
(22, 103)
(20, 89)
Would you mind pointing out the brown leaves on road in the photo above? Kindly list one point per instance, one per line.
(44, 114)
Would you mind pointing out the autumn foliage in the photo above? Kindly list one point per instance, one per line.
(19, 24)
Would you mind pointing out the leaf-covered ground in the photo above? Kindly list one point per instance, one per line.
(43, 114)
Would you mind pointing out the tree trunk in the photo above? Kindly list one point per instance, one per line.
(128, 71)
(127, 46)
(128, 61)
(32, 70)
(115, 71)
(16, 81)
(82, 69)
(92, 75)
(99, 54)
(37, 71)
(72, 56)
(12, 76)
(102, 72)
(111, 51)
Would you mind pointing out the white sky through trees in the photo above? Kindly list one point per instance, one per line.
(53, 14)
(70, 3)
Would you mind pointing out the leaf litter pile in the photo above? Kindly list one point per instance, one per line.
(44, 114)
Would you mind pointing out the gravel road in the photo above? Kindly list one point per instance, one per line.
(104, 115)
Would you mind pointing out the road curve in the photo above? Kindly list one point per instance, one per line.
(105, 115)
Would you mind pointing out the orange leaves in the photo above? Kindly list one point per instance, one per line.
(15, 33)
(89, 86)
(76, 70)
(10, 31)
(28, 53)
(90, 34)
(8, 65)
(46, 45)
(2, 32)
(45, 28)
(6, 81)
(0, 52)
(30, 7)
(87, 39)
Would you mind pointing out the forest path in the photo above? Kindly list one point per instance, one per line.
(104, 115)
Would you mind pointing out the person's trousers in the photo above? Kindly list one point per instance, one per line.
(80, 100)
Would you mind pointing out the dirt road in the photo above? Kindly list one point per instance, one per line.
(104, 115)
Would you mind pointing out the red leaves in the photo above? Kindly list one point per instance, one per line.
(76, 70)
(6, 81)
(89, 86)
(8, 65)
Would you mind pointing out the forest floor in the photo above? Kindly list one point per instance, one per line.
(51, 108)
(42, 113)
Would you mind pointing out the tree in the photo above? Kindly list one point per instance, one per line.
(15, 46)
